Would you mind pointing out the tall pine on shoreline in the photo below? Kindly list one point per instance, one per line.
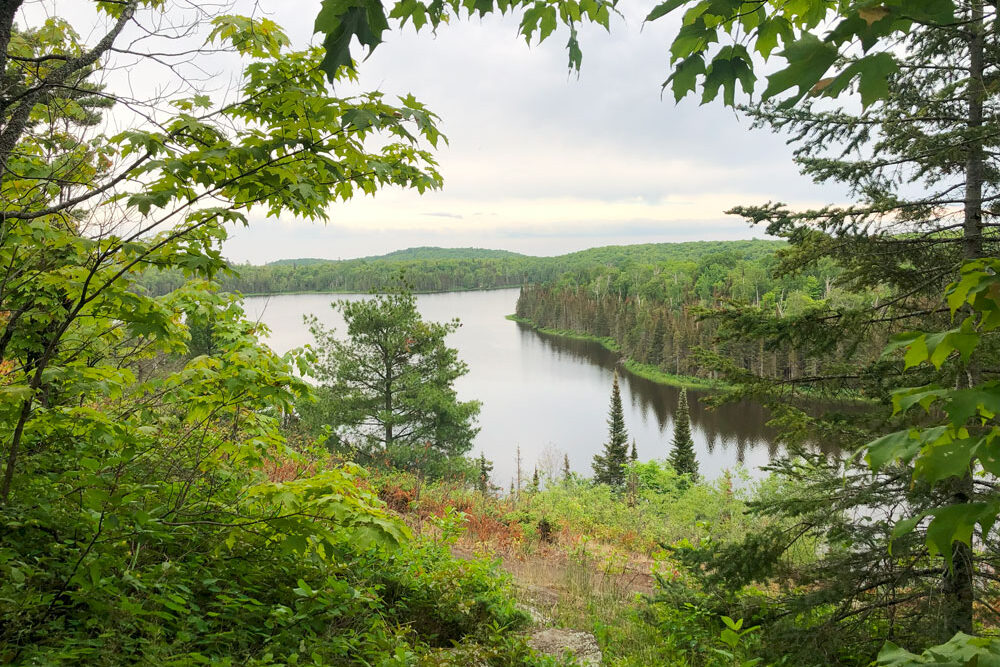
(682, 456)
(609, 465)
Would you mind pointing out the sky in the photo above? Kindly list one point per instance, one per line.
(540, 160)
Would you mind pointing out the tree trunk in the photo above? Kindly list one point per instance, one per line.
(957, 587)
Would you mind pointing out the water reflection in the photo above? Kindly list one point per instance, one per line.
(549, 395)
(733, 427)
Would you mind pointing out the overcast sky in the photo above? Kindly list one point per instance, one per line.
(540, 160)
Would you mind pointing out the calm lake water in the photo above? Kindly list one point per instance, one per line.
(546, 394)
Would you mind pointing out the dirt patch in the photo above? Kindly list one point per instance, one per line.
(549, 580)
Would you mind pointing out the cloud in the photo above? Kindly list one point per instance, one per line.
(538, 158)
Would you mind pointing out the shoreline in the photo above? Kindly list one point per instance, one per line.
(644, 371)
(342, 293)
(654, 374)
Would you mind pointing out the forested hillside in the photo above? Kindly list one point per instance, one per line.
(449, 269)
(659, 311)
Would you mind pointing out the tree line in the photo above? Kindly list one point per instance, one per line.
(447, 269)
(659, 314)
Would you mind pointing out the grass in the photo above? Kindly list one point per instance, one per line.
(594, 572)
(654, 374)
(607, 342)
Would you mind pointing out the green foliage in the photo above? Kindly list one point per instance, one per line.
(666, 510)
(386, 392)
(609, 465)
(967, 440)
(152, 509)
(342, 21)
(961, 651)
(483, 482)
(682, 455)
(819, 39)
(855, 40)
(452, 269)
(653, 307)
(734, 636)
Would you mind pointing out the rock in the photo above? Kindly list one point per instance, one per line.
(559, 642)
(537, 617)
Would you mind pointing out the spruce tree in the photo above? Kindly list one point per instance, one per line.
(634, 455)
(609, 465)
(682, 456)
(566, 472)
(920, 166)
(485, 471)
(535, 485)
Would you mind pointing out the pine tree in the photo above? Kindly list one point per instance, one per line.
(682, 456)
(609, 465)
(387, 389)
(634, 455)
(535, 485)
(566, 472)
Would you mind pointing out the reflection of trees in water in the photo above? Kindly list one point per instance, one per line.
(739, 426)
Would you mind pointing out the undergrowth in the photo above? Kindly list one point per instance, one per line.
(592, 558)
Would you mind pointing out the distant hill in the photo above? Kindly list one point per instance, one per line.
(431, 269)
(302, 261)
(423, 253)
(652, 253)
(432, 253)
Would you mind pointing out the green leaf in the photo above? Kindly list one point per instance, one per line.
(955, 523)
(664, 8)
(808, 60)
(692, 39)
(916, 353)
(732, 64)
(342, 20)
(904, 399)
(575, 53)
(902, 445)
(871, 71)
(769, 32)
(904, 526)
(964, 404)
(942, 460)
(685, 76)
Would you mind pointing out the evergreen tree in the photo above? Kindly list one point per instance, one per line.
(535, 485)
(634, 455)
(609, 465)
(920, 164)
(566, 472)
(682, 456)
(388, 391)
(485, 471)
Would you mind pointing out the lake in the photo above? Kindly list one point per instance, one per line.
(546, 394)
